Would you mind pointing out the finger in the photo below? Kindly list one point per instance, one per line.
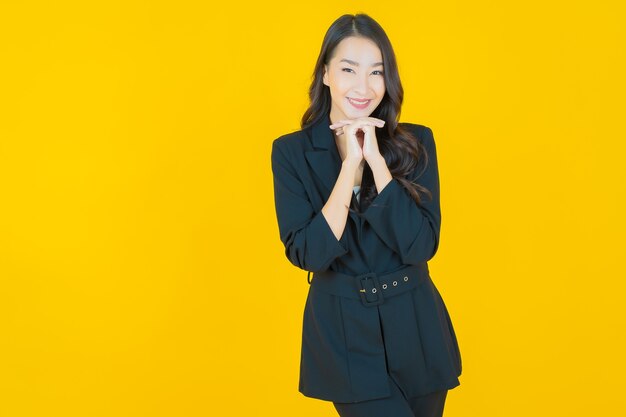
(358, 122)
(365, 119)
(361, 126)
(340, 124)
(374, 119)
(370, 121)
(376, 122)
(369, 130)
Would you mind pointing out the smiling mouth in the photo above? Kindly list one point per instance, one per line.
(360, 104)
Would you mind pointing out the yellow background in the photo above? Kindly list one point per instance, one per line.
(141, 270)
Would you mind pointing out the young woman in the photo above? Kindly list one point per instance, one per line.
(357, 203)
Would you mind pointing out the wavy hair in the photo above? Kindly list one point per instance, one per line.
(400, 148)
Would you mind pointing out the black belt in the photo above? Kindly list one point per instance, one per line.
(370, 288)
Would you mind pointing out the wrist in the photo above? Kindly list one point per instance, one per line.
(377, 160)
(351, 164)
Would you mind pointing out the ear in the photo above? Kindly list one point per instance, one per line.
(325, 77)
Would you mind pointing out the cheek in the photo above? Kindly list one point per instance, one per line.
(341, 86)
(341, 83)
(379, 87)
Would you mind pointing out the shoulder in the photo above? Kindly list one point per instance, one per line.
(293, 142)
(423, 133)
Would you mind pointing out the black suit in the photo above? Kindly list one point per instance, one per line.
(349, 348)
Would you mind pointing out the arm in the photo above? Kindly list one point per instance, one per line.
(337, 207)
(410, 230)
(311, 243)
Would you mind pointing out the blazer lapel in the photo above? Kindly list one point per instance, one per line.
(324, 159)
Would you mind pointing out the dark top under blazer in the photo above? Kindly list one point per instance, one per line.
(348, 348)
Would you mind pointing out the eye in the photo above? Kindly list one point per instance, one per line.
(350, 69)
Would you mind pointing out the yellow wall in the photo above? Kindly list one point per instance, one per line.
(141, 272)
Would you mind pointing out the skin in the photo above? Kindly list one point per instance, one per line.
(355, 130)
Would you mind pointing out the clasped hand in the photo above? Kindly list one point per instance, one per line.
(360, 133)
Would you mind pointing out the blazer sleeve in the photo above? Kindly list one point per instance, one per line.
(310, 243)
(407, 228)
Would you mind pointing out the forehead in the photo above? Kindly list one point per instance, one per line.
(359, 49)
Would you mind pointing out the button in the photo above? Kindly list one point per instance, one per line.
(395, 283)
(384, 286)
(373, 290)
(406, 279)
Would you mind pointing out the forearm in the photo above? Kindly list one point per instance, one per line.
(410, 228)
(381, 173)
(337, 207)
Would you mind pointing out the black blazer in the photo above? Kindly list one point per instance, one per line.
(349, 349)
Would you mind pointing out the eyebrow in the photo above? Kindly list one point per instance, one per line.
(356, 64)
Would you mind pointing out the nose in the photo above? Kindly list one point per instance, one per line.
(362, 85)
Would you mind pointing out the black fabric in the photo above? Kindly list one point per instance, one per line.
(396, 405)
(343, 349)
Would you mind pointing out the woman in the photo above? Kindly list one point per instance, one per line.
(357, 204)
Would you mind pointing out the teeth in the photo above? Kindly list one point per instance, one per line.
(358, 102)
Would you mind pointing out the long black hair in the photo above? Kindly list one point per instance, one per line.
(400, 148)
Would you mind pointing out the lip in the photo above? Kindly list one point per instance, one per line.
(358, 106)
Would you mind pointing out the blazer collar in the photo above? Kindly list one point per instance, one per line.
(324, 159)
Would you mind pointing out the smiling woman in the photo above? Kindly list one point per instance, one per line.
(377, 338)
(354, 75)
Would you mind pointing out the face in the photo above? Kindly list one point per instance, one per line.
(355, 78)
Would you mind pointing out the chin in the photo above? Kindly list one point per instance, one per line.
(354, 114)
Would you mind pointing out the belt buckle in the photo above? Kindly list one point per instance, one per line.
(369, 289)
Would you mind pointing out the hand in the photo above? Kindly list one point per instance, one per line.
(361, 136)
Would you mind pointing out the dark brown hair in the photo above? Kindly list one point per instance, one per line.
(400, 148)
